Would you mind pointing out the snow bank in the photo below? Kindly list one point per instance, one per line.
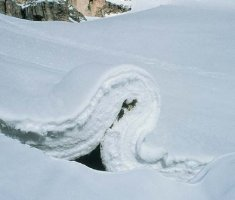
(60, 74)
(27, 173)
(218, 178)
(78, 134)
(139, 5)
(118, 113)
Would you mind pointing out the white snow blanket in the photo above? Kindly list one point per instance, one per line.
(139, 5)
(27, 174)
(65, 88)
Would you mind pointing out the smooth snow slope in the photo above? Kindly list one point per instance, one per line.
(52, 72)
(27, 174)
(139, 5)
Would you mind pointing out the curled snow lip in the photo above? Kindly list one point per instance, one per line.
(123, 110)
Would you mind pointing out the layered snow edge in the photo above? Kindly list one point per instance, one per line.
(124, 108)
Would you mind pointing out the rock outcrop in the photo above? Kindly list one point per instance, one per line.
(97, 8)
(46, 11)
(88, 7)
(75, 15)
(41, 10)
(60, 10)
(10, 8)
(110, 8)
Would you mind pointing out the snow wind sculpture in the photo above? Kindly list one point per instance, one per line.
(118, 113)
(100, 121)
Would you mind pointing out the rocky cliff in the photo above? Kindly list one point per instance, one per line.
(110, 8)
(97, 8)
(60, 10)
(41, 10)
(11, 8)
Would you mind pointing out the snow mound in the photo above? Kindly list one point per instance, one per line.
(124, 107)
(77, 135)
(64, 88)
(218, 178)
(27, 173)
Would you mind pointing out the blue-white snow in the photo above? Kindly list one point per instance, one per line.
(27, 174)
(62, 86)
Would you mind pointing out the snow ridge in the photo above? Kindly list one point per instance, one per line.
(121, 131)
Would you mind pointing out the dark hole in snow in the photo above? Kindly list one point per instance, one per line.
(92, 160)
(126, 106)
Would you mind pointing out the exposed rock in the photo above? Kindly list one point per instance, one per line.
(41, 10)
(88, 7)
(97, 8)
(75, 15)
(60, 10)
(12, 9)
(46, 11)
(110, 8)
(2, 6)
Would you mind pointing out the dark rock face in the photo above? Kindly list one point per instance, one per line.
(2, 6)
(110, 8)
(61, 10)
(10, 8)
(46, 11)
(41, 11)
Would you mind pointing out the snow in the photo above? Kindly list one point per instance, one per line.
(62, 86)
(33, 175)
(139, 5)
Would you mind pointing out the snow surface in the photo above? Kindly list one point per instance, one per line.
(139, 5)
(62, 86)
(28, 174)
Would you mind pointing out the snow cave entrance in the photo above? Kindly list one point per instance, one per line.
(93, 159)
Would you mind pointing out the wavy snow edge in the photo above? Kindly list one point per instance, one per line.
(122, 140)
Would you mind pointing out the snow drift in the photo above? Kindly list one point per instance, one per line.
(27, 173)
(125, 92)
(62, 89)
(122, 109)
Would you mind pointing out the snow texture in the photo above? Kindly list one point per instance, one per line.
(139, 5)
(32, 175)
(65, 88)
